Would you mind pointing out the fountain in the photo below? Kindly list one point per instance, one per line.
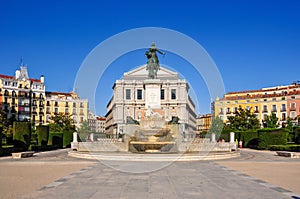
(154, 135)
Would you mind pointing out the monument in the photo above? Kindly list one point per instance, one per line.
(151, 112)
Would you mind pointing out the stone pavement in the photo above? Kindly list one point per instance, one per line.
(194, 179)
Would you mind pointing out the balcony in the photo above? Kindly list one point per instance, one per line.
(274, 110)
(293, 108)
(283, 109)
(228, 112)
(221, 113)
(256, 111)
(265, 110)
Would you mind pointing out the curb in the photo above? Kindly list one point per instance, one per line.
(152, 157)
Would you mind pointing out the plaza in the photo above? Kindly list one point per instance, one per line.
(255, 174)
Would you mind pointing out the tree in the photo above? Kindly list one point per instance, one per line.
(243, 120)
(84, 130)
(61, 122)
(272, 121)
(216, 126)
(289, 124)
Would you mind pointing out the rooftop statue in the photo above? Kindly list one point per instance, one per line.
(153, 62)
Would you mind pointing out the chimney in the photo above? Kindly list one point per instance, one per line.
(42, 79)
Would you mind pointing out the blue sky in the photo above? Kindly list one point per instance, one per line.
(254, 43)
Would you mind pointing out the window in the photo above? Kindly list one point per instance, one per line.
(228, 111)
(128, 94)
(283, 116)
(55, 104)
(173, 94)
(274, 108)
(235, 109)
(74, 111)
(81, 104)
(139, 94)
(56, 110)
(48, 103)
(67, 111)
(221, 110)
(265, 109)
(48, 110)
(162, 94)
(74, 104)
(293, 114)
(273, 99)
(265, 100)
(256, 109)
(67, 104)
(283, 107)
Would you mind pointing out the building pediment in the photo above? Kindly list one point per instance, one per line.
(142, 73)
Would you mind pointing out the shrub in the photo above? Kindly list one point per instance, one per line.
(42, 135)
(249, 138)
(292, 147)
(67, 138)
(296, 131)
(56, 138)
(268, 137)
(22, 134)
(0, 140)
(42, 148)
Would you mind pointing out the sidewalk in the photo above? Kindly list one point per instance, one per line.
(281, 171)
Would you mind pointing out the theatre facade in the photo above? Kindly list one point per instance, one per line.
(135, 96)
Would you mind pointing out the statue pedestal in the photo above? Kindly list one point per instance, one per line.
(152, 93)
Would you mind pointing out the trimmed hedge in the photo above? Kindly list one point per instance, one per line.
(267, 137)
(292, 147)
(56, 138)
(1, 140)
(296, 131)
(42, 135)
(43, 147)
(67, 138)
(249, 138)
(22, 134)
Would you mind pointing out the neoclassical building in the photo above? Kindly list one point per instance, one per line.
(135, 93)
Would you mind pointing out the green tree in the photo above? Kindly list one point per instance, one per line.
(272, 121)
(289, 124)
(216, 126)
(84, 130)
(61, 121)
(243, 120)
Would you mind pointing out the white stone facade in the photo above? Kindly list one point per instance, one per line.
(129, 99)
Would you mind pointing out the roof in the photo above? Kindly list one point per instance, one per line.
(6, 76)
(12, 77)
(58, 93)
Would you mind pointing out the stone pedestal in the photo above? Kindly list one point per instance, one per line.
(152, 93)
(75, 137)
(213, 137)
(74, 144)
(231, 137)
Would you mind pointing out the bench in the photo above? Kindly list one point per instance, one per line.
(287, 154)
(22, 154)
